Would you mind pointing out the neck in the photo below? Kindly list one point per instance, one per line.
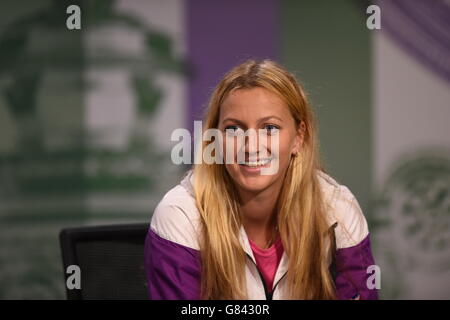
(259, 212)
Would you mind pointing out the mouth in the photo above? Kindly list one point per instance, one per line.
(257, 163)
(255, 167)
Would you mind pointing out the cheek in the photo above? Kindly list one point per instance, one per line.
(281, 146)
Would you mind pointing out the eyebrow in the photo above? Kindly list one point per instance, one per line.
(260, 120)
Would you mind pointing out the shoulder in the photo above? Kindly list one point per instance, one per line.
(343, 208)
(176, 217)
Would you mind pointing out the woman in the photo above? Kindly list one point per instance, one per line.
(227, 231)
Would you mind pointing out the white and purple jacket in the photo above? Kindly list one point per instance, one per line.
(172, 257)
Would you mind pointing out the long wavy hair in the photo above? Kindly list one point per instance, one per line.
(301, 219)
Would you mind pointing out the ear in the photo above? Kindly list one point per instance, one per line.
(299, 138)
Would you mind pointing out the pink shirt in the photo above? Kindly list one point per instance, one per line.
(267, 260)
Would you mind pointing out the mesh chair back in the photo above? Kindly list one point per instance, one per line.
(111, 261)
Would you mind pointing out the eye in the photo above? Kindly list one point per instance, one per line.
(233, 130)
(271, 129)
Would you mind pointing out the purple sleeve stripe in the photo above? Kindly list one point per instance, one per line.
(351, 271)
(173, 270)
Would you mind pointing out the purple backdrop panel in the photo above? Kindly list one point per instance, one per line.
(422, 29)
(221, 34)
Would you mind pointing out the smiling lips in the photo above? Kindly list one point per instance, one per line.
(257, 163)
(255, 167)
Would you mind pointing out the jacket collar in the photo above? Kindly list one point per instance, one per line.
(282, 267)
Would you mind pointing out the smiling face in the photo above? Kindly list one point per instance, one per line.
(263, 112)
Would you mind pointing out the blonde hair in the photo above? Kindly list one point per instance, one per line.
(301, 218)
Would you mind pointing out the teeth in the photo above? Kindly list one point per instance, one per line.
(257, 163)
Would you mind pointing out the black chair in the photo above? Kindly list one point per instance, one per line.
(111, 261)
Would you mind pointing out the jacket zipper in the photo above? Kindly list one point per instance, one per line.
(276, 284)
(269, 296)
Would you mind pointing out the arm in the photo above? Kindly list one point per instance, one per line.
(172, 258)
(353, 255)
(351, 275)
(173, 270)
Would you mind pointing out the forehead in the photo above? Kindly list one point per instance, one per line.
(254, 103)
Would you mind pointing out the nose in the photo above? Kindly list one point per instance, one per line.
(251, 142)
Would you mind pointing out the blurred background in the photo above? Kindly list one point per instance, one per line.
(86, 117)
